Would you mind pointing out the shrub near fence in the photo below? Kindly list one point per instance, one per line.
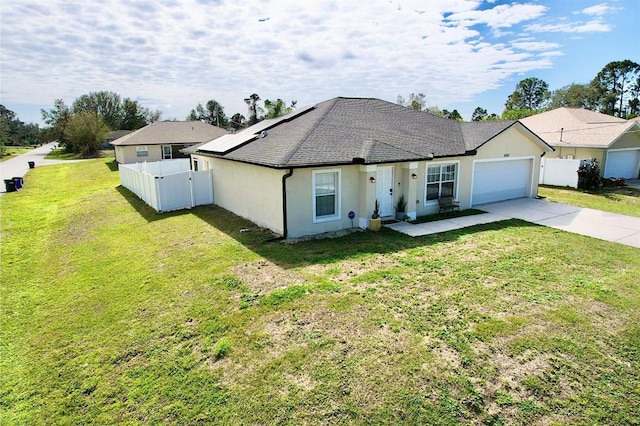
(168, 185)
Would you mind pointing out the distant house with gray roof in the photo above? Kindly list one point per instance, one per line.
(322, 168)
(112, 136)
(578, 133)
(163, 140)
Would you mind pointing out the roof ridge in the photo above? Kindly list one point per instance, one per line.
(303, 139)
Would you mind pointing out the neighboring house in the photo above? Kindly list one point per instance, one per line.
(112, 136)
(304, 173)
(578, 133)
(163, 140)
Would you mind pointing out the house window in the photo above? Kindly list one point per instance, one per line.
(167, 153)
(326, 195)
(441, 181)
(142, 151)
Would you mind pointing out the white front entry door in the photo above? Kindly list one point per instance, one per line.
(384, 190)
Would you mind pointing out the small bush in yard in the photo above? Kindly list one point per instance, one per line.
(588, 175)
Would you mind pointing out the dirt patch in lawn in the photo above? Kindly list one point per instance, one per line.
(263, 276)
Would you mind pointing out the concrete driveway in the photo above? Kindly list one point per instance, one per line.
(19, 165)
(593, 223)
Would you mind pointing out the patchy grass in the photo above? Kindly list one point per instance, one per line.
(113, 313)
(621, 200)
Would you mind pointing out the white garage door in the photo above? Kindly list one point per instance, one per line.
(622, 164)
(500, 180)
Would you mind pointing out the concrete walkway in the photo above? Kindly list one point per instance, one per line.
(19, 165)
(593, 223)
(633, 183)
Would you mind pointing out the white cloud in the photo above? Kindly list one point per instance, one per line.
(570, 27)
(597, 10)
(176, 53)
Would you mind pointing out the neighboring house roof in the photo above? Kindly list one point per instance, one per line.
(352, 130)
(577, 127)
(171, 132)
(117, 134)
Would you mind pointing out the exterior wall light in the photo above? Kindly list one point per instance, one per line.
(414, 176)
(372, 179)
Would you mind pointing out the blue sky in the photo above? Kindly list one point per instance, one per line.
(172, 54)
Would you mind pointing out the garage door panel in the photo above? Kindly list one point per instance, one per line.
(500, 180)
(622, 164)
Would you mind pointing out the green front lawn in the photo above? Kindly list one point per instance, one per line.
(8, 152)
(61, 154)
(112, 313)
(621, 200)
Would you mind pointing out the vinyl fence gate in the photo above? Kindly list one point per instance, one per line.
(168, 185)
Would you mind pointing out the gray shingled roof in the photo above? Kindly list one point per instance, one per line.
(370, 131)
(171, 132)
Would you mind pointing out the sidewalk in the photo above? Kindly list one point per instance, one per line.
(19, 165)
(593, 223)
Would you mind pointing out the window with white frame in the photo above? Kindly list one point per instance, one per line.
(167, 152)
(326, 195)
(142, 151)
(441, 181)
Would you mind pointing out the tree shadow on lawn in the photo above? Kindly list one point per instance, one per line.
(287, 254)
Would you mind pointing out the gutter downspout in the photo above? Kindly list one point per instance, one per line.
(540, 197)
(286, 176)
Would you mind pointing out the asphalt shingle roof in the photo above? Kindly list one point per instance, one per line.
(171, 132)
(577, 127)
(347, 130)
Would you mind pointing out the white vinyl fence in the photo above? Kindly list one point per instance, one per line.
(559, 172)
(168, 185)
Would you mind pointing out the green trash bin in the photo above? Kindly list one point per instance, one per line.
(10, 185)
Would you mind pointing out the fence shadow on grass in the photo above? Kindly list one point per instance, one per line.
(147, 212)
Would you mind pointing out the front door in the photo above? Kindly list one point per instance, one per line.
(384, 190)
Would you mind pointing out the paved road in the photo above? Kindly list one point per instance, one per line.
(19, 165)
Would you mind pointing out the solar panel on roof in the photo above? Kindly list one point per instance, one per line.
(229, 142)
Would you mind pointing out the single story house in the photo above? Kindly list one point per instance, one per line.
(112, 136)
(321, 168)
(163, 140)
(578, 133)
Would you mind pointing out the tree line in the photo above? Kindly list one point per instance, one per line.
(82, 127)
(213, 113)
(615, 91)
